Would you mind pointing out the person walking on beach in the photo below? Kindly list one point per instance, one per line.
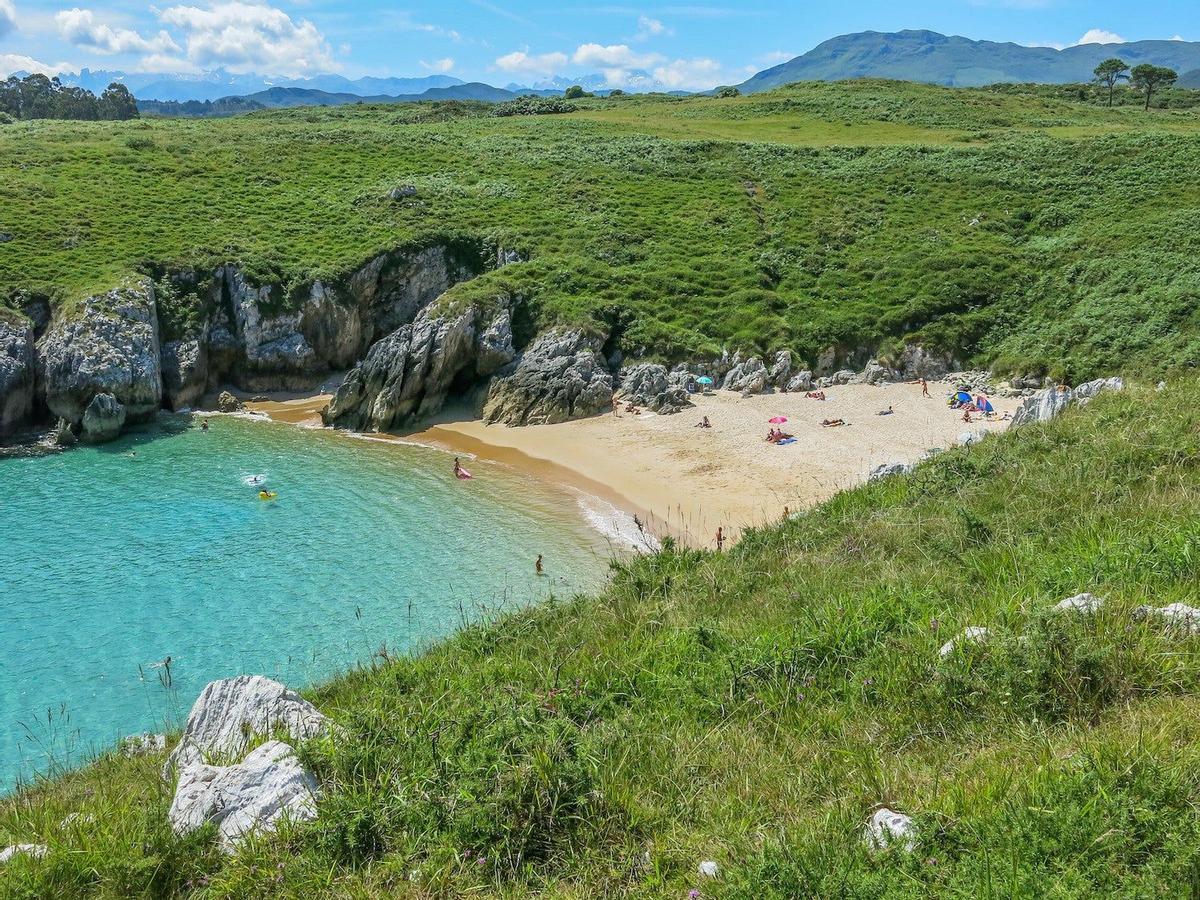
(924, 388)
(538, 565)
(720, 538)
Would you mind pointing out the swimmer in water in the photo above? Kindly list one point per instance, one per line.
(204, 425)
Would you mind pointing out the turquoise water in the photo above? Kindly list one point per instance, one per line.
(113, 558)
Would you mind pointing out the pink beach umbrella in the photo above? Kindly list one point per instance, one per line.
(777, 420)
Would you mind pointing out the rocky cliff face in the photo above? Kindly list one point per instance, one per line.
(16, 375)
(560, 376)
(410, 373)
(110, 348)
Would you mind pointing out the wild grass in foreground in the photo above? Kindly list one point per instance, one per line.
(754, 708)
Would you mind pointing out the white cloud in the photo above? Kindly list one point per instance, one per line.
(532, 64)
(1100, 36)
(79, 27)
(613, 56)
(651, 28)
(403, 21)
(698, 74)
(251, 37)
(8, 17)
(14, 62)
(775, 57)
(438, 65)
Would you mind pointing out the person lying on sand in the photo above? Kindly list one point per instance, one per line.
(885, 412)
(815, 395)
(704, 423)
(833, 423)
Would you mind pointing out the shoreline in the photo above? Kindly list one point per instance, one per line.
(685, 482)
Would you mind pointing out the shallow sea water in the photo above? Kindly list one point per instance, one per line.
(113, 558)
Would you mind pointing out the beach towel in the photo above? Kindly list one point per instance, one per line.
(785, 441)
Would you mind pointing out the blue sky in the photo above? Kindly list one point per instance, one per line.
(503, 41)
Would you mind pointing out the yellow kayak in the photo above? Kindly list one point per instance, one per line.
(266, 495)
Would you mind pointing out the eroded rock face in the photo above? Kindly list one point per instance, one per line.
(16, 375)
(102, 420)
(227, 403)
(184, 372)
(649, 385)
(877, 373)
(748, 377)
(1045, 405)
(560, 376)
(110, 347)
(228, 713)
(781, 369)
(916, 361)
(250, 796)
(411, 372)
(887, 470)
(801, 381)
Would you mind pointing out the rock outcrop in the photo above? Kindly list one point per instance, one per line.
(254, 795)
(109, 348)
(102, 420)
(36, 851)
(748, 377)
(1045, 405)
(877, 373)
(16, 374)
(184, 367)
(916, 361)
(887, 470)
(781, 370)
(230, 712)
(800, 382)
(1175, 615)
(1085, 604)
(973, 634)
(559, 377)
(650, 386)
(227, 403)
(412, 371)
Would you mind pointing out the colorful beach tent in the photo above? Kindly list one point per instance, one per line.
(963, 397)
(704, 379)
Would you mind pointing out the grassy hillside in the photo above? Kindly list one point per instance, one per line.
(1021, 229)
(755, 707)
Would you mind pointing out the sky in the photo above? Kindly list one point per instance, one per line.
(686, 47)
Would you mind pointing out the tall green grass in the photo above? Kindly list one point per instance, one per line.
(1021, 230)
(755, 707)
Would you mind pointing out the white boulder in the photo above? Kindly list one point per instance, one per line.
(1177, 615)
(37, 851)
(268, 786)
(972, 635)
(1081, 603)
(887, 470)
(888, 828)
(709, 868)
(228, 713)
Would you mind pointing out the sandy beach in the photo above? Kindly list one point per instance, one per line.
(688, 481)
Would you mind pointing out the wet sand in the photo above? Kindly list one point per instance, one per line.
(688, 481)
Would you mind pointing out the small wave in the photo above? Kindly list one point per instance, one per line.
(616, 525)
(255, 480)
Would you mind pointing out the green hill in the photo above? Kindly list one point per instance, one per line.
(961, 62)
(1013, 229)
(754, 708)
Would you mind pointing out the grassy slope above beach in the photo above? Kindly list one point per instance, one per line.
(1016, 228)
(755, 707)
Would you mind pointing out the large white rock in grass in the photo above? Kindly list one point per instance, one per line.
(1176, 615)
(972, 635)
(888, 828)
(228, 713)
(1045, 405)
(37, 851)
(709, 868)
(255, 795)
(1081, 603)
(887, 470)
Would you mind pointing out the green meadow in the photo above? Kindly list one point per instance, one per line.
(1016, 228)
(754, 708)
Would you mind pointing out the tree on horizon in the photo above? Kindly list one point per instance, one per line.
(1110, 72)
(1147, 78)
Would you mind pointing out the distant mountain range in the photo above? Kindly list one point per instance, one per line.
(960, 62)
